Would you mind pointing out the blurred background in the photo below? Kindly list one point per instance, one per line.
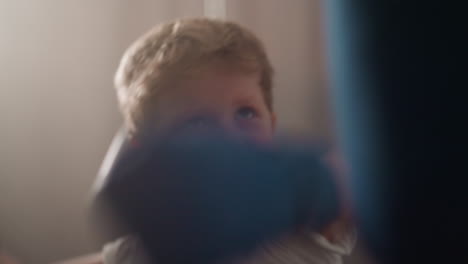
(58, 110)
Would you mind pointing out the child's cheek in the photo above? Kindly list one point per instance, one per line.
(257, 131)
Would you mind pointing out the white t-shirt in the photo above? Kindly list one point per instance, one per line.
(309, 248)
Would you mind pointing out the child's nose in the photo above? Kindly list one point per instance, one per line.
(227, 128)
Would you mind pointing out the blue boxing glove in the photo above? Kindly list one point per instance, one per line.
(204, 199)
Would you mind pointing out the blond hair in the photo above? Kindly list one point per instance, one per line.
(173, 50)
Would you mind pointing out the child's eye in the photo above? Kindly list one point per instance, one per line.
(246, 113)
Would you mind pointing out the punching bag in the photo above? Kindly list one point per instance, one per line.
(393, 67)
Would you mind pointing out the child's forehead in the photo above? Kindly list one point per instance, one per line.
(210, 92)
(213, 85)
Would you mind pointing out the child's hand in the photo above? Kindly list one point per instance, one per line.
(334, 231)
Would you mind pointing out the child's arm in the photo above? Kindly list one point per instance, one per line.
(342, 228)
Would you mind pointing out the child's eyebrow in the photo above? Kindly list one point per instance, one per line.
(193, 110)
(187, 115)
(249, 100)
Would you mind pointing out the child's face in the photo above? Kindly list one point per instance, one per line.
(232, 103)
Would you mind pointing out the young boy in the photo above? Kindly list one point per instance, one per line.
(196, 74)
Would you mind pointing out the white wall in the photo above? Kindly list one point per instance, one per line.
(292, 35)
(58, 110)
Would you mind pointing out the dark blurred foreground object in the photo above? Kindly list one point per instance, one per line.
(396, 67)
(202, 200)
